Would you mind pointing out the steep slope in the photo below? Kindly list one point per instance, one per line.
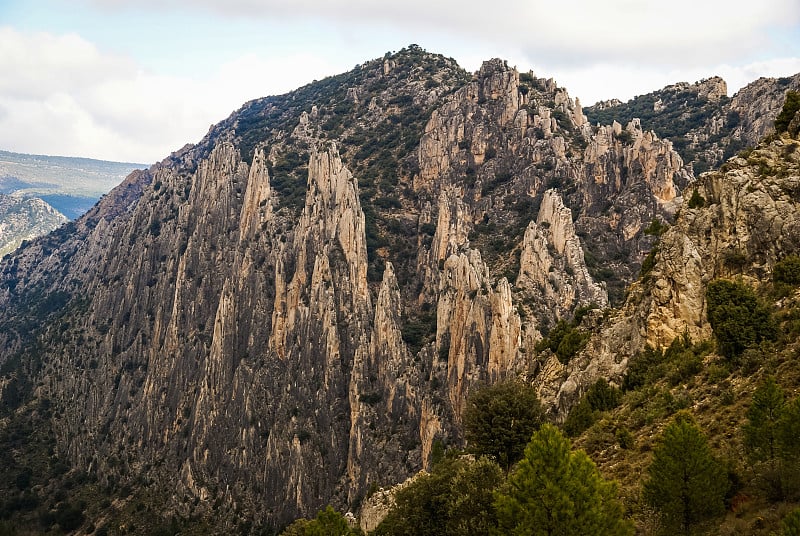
(293, 310)
(706, 126)
(745, 220)
(25, 219)
(737, 222)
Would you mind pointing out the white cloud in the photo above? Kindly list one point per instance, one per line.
(578, 32)
(606, 81)
(66, 97)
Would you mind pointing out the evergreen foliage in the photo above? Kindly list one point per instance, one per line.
(580, 418)
(680, 361)
(738, 318)
(499, 420)
(763, 417)
(697, 200)
(328, 522)
(787, 270)
(789, 431)
(686, 484)
(456, 499)
(791, 524)
(565, 339)
(555, 490)
(601, 396)
(771, 437)
(790, 107)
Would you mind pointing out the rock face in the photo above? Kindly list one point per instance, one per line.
(25, 219)
(706, 126)
(550, 247)
(294, 310)
(747, 220)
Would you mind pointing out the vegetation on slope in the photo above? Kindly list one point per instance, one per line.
(715, 437)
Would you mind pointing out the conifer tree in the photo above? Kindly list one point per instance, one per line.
(554, 490)
(790, 107)
(789, 449)
(499, 420)
(763, 417)
(791, 524)
(686, 484)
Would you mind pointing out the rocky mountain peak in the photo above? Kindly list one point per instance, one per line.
(295, 309)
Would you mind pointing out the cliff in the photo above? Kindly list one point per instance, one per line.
(706, 126)
(293, 311)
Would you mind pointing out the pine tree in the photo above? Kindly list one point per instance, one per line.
(456, 499)
(761, 430)
(791, 524)
(499, 420)
(686, 484)
(790, 107)
(789, 449)
(737, 316)
(554, 490)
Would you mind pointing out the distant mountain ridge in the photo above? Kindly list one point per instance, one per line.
(705, 125)
(24, 219)
(70, 184)
(38, 193)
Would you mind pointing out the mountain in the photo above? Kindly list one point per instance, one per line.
(704, 124)
(292, 312)
(71, 185)
(25, 219)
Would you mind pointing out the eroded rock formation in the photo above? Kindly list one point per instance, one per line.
(294, 310)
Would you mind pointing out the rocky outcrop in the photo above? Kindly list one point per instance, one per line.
(25, 219)
(552, 265)
(294, 310)
(746, 218)
(748, 221)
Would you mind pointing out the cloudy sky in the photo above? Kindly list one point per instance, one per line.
(133, 80)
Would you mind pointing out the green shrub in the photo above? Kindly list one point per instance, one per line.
(787, 270)
(603, 396)
(697, 200)
(370, 398)
(648, 263)
(624, 437)
(791, 524)
(499, 420)
(737, 316)
(565, 339)
(573, 342)
(655, 228)
(681, 360)
(580, 418)
(790, 107)
(328, 522)
(625, 137)
(456, 498)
